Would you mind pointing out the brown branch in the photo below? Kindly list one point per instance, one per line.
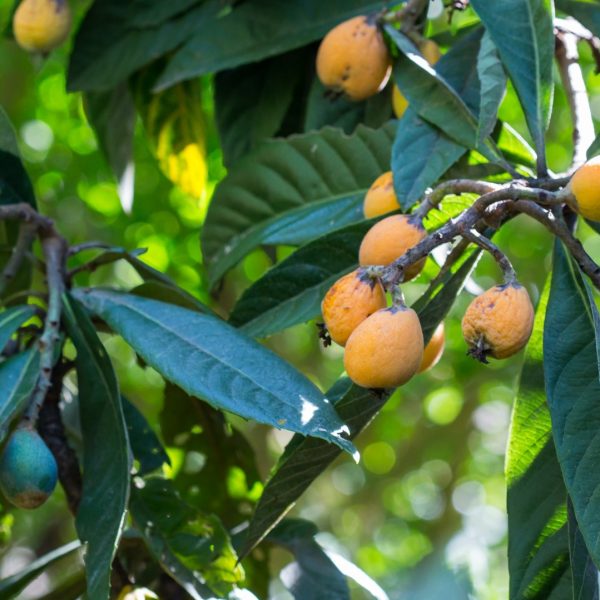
(486, 244)
(567, 56)
(27, 234)
(574, 27)
(408, 15)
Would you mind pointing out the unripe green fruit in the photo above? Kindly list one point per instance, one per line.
(28, 471)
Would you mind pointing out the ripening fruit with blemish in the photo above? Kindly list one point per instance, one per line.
(434, 349)
(389, 239)
(431, 52)
(498, 323)
(381, 197)
(585, 187)
(42, 25)
(349, 301)
(353, 59)
(28, 471)
(386, 349)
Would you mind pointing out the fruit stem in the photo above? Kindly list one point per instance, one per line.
(397, 297)
(508, 270)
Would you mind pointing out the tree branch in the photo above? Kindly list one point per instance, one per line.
(27, 234)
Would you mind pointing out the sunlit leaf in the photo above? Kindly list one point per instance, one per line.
(209, 359)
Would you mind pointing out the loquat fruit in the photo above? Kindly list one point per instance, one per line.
(434, 349)
(498, 323)
(353, 59)
(585, 187)
(28, 471)
(42, 25)
(349, 301)
(386, 349)
(389, 239)
(381, 197)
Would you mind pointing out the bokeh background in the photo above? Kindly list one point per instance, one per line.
(430, 482)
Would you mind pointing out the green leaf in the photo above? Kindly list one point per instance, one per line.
(219, 474)
(422, 153)
(523, 33)
(11, 319)
(312, 575)
(12, 586)
(538, 544)
(304, 459)
(514, 147)
(112, 115)
(192, 547)
(251, 101)
(174, 124)
(573, 388)
(106, 454)
(209, 359)
(585, 11)
(139, 32)
(584, 572)
(157, 290)
(18, 376)
(291, 191)
(291, 292)
(594, 149)
(256, 30)
(145, 445)
(493, 85)
(434, 98)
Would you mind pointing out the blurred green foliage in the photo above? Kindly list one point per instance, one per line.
(431, 475)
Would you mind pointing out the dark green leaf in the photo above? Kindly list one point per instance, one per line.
(157, 290)
(11, 319)
(106, 454)
(192, 547)
(219, 474)
(291, 292)
(434, 98)
(594, 149)
(12, 586)
(493, 85)
(18, 376)
(523, 33)
(538, 545)
(209, 359)
(112, 115)
(585, 11)
(312, 575)
(251, 101)
(422, 153)
(584, 572)
(305, 459)
(291, 191)
(145, 445)
(573, 389)
(139, 32)
(255, 30)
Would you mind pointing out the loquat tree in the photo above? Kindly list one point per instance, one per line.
(384, 161)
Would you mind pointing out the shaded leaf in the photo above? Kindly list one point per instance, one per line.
(112, 115)
(422, 153)
(493, 85)
(255, 30)
(291, 292)
(18, 376)
(594, 149)
(145, 445)
(192, 547)
(291, 191)
(11, 319)
(157, 290)
(209, 359)
(304, 459)
(523, 33)
(101, 514)
(586, 12)
(434, 98)
(312, 575)
(584, 572)
(573, 387)
(174, 124)
(251, 101)
(11, 587)
(538, 544)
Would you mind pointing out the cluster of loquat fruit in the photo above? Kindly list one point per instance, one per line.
(384, 346)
